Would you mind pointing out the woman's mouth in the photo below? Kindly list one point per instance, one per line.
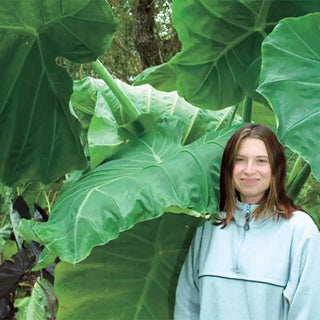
(249, 180)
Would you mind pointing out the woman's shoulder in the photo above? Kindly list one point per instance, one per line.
(301, 217)
(302, 223)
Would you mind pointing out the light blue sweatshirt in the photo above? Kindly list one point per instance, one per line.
(267, 271)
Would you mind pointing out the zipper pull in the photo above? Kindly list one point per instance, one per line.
(246, 226)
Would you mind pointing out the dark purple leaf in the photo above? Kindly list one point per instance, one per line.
(21, 206)
(12, 272)
(6, 309)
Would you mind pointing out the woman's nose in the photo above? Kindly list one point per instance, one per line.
(249, 168)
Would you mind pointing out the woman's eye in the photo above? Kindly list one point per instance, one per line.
(262, 161)
(239, 160)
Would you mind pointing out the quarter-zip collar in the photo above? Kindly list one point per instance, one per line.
(244, 214)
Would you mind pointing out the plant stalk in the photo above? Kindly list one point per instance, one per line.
(129, 108)
(247, 110)
(47, 201)
(297, 183)
(295, 169)
(233, 115)
(48, 299)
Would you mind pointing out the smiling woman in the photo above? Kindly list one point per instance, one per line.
(252, 171)
(260, 258)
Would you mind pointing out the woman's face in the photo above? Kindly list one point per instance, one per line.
(252, 170)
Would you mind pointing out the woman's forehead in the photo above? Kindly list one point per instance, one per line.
(252, 146)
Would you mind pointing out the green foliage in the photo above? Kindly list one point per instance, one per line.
(5, 198)
(290, 78)
(7, 246)
(37, 126)
(221, 48)
(40, 305)
(161, 77)
(261, 114)
(152, 151)
(309, 199)
(42, 195)
(135, 275)
(139, 184)
(102, 115)
(122, 58)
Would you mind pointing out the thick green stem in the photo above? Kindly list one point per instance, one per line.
(247, 109)
(295, 186)
(47, 201)
(295, 169)
(128, 106)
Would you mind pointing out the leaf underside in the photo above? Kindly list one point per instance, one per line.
(139, 185)
(39, 136)
(290, 80)
(132, 277)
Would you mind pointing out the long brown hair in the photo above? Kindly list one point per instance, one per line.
(275, 198)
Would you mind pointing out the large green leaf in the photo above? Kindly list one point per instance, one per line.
(161, 77)
(151, 173)
(132, 277)
(220, 58)
(102, 114)
(39, 137)
(290, 80)
(84, 98)
(196, 121)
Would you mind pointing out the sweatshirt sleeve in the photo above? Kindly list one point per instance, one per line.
(303, 289)
(187, 305)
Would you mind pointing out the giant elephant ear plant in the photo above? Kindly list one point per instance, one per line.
(39, 137)
(221, 48)
(159, 157)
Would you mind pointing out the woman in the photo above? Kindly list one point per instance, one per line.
(260, 260)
